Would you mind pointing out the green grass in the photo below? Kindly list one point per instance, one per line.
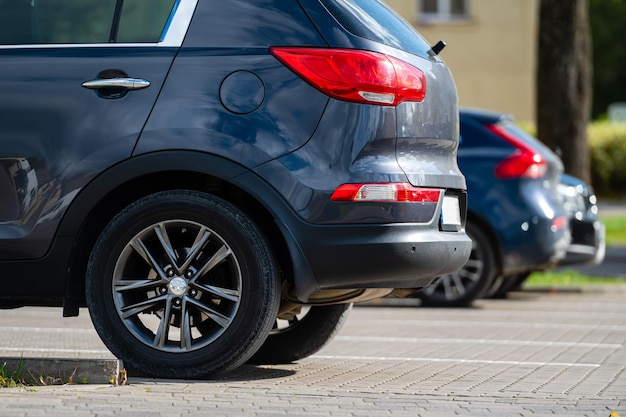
(615, 230)
(11, 379)
(567, 278)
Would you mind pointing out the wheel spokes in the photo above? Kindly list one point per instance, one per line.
(476, 264)
(201, 239)
(180, 266)
(459, 285)
(160, 338)
(185, 328)
(138, 284)
(469, 276)
(214, 315)
(161, 232)
(225, 293)
(142, 307)
(448, 287)
(222, 253)
(143, 251)
(177, 274)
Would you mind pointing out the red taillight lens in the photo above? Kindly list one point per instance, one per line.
(558, 223)
(387, 192)
(525, 162)
(356, 75)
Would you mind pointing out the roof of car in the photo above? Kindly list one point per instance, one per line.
(485, 115)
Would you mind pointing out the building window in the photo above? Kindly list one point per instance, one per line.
(443, 10)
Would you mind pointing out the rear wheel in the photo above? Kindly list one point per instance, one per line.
(460, 288)
(502, 285)
(182, 284)
(303, 335)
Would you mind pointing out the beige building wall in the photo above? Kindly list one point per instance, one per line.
(492, 54)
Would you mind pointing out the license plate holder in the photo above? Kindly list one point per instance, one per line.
(450, 214)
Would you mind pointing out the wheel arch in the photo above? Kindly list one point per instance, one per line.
(137, 177)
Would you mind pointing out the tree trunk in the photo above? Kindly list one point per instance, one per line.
(564, 77)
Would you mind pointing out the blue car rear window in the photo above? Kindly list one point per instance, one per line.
(373, 20)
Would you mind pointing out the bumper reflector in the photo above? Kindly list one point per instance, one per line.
(386, 192)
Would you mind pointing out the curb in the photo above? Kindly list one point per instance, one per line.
(51, 371)
(600, 288)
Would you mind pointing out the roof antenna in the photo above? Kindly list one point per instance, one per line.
(438, 47)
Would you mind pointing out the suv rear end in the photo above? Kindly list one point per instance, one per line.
(299, 153)
(374, 146)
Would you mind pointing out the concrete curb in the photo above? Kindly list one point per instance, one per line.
(600, 288)
(52, 371)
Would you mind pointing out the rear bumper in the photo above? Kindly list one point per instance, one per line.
(371, 256)
(588, 244)
(539, 247)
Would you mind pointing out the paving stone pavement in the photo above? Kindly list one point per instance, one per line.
(535, 354)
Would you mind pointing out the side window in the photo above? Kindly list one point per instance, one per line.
(144, 20)
(443, 10)
(67, 21)
(84, 21)
(15, 22)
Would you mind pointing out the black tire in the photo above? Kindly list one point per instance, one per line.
(499, 287)
(519, 281)
(307, 333)
(182, 284)
(503, 285)
(459, 289)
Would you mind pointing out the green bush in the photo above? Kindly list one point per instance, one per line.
(607, 143)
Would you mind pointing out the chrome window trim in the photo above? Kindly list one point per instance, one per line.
(176, 27)
(175, 32)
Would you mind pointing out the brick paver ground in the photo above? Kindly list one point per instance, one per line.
(536, 354)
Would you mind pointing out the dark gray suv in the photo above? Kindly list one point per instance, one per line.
(197, 172)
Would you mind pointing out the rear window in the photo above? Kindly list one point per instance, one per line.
(474, 135)
(532, 141)
(373, 20)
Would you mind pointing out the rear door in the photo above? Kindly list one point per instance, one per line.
(78, 80)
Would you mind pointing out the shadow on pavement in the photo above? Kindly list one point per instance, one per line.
(243, 373)
(614, 264)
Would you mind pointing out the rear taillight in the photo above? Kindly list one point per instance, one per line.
(356, 75)
(386, 192)
(526, 162)
(558, 223)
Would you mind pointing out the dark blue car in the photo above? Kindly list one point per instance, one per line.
(587, 244)
(195, 170)
(516, 215)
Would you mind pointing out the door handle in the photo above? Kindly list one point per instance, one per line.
(126, 83)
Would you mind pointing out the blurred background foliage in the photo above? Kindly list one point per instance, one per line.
(607, 143)
(608, 31)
